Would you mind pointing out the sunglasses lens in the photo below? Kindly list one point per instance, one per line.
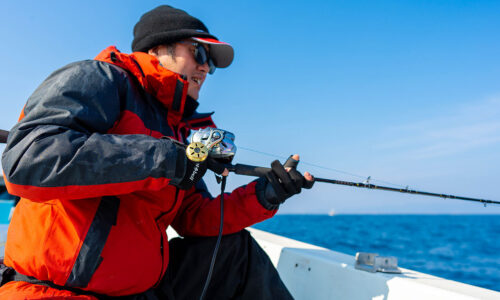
(201, 57)
(211, 66)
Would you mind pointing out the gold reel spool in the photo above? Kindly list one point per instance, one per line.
(197, 152)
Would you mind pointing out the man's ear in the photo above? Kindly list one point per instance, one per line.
(153, 51)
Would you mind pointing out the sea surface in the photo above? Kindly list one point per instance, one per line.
(463, 248)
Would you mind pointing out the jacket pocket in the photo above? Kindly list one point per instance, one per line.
(89, 258)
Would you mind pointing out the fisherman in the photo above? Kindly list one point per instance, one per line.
(98, 159)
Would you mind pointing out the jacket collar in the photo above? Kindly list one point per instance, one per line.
(194, 120)
(168, 87)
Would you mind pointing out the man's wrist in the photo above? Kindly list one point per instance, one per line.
(180, 167)
(260, 192)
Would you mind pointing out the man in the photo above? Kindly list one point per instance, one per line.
(100, 183)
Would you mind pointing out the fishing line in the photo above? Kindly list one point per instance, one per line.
(219, 237)
(323, 167)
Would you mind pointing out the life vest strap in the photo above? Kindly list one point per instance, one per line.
(8, 274)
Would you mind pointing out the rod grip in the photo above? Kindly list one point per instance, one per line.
(3, 136)
(248, 170)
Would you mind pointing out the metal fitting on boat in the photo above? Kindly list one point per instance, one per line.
(372, 262)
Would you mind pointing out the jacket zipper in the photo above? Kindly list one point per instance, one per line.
(163, 236)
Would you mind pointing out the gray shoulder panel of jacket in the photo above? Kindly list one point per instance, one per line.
(62, 139)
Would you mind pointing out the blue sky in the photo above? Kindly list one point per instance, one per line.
(406, 92)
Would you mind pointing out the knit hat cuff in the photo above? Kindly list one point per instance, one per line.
(166, 37)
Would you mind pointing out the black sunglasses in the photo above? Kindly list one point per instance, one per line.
(201, 56)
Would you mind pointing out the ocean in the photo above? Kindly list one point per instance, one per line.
(463, 248)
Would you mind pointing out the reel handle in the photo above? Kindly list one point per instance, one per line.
(197, 152)
(248, 170)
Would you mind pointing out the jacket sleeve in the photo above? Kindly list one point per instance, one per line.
(199, 214)
(60, 148)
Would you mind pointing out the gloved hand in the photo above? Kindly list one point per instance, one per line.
(279, 185)
(193, 171)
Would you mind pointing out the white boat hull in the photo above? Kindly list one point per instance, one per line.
(312, 272)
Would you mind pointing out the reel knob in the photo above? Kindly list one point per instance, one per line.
(197, 152)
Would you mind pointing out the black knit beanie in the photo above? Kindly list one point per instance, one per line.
(166, 24)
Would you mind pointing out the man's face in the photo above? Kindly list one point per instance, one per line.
(183, 62)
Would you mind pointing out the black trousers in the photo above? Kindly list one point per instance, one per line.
(242, 270)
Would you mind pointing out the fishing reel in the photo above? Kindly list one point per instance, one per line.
(211, 142)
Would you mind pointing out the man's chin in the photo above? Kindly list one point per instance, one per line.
(193, 95)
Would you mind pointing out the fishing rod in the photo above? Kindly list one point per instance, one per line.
(3, 136)
(249, 170)
(219, 144)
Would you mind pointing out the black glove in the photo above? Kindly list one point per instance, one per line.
(279, 185)
(193, 171)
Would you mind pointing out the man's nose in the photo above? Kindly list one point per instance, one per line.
(204, 67)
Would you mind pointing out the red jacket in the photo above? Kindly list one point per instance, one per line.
(94, 177)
